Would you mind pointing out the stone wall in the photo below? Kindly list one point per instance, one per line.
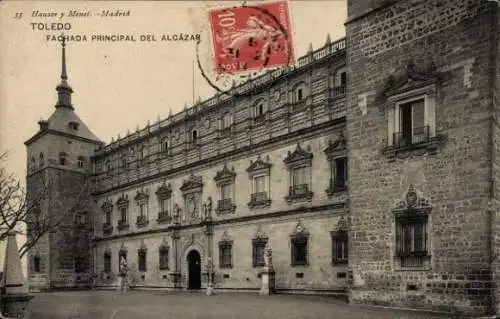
(453, 37)
(320, 275)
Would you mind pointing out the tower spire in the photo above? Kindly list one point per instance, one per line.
(63, 89)
(64, 75)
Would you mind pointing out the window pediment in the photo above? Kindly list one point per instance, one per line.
(415, 77)
(141, 196)
(164, 191)
(164, 246)
(225, 175)
(259, 166)
(107, 206)
(122, 201)
(192, 184)
(339, 146)
(225, 239)
(298, 156)
(260, 235)
(412, 204)
(299, 232)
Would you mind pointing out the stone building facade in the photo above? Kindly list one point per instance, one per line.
(422, 131)
(370, 167)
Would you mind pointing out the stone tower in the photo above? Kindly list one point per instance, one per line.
(58, 172)
(423, 154)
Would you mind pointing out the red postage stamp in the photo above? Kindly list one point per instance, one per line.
(251, 37)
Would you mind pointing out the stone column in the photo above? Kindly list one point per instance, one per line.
(175, 274)
(268, 273)
(209, 235)
(15, 291)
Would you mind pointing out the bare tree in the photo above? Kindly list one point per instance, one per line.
(23, 211)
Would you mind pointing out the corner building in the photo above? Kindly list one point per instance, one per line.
(422, 129)
(370, 167)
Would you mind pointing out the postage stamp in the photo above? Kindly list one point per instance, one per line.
(251, 37)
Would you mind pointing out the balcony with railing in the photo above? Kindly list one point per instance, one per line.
(338, 92)
(258, 200)
(404, 139)
(123, 224)
(164, 217)
(300, 192)
(107, 229)
(336, 186)
(141, 221)
(225, 206)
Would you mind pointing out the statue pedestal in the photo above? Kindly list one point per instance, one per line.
(122, 283)
(268, 281)
(16, 306)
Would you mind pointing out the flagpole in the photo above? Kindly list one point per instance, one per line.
(193, 81)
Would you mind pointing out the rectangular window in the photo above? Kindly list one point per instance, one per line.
(79, 264)
(107, 262)
(225, 255)
(143, 210)
(299, 251)
(108, 217)
(164, 205)
(258, 252)
(411, 241)
(227, 121)
(163, 258)
(141, 262)
(123, 214)
(259, 184)
(225, 191)
(339, 248)
(300, 180)
(411, 128)
(338, 173)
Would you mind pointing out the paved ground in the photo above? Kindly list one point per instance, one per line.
(180, 305)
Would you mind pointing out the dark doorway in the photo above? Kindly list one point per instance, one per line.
(194, 270)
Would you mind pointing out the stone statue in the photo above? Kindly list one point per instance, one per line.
(123, 267)
(123, 275)
(268, 255)
(177, 213)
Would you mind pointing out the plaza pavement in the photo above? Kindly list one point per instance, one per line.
(196, 305)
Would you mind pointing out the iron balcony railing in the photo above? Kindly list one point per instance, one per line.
(298, 190)
(418, 136)
(141, 220)
(338, 185)
(338, 91)
(225, 204)
(107, 229)
(164, 216)
(258, 197)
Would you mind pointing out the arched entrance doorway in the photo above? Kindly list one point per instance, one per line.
(194, 270)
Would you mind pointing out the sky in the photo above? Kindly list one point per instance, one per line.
(119, 85)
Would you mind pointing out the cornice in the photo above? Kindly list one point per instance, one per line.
(39, 134)
(247, 218)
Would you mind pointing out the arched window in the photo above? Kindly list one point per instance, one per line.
(32, 164)
(164, 144)
(109, 167)
(63, 158)
(194, 136)
(299, 92)
(41, 162)
(36, 264)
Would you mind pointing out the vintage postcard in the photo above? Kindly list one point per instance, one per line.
(249, 159)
